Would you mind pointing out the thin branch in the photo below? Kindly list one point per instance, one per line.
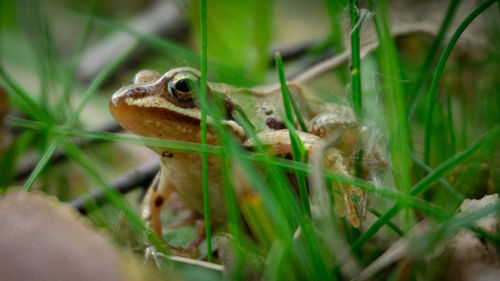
(160, 18)
(141, 176)
(329, 64)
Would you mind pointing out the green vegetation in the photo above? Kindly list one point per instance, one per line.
(433, 114)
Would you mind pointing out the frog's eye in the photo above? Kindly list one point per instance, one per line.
(183, 86)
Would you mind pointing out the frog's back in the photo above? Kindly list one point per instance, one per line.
(263, 105)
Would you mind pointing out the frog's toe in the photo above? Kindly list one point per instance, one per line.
(150, 253)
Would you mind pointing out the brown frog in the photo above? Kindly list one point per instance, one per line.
(164, 107)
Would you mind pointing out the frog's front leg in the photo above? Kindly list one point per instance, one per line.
(333, 161)
(340, 120)
(157, 194)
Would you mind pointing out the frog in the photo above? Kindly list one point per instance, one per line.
(165, 106)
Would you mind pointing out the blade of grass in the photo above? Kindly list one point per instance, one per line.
(23, 99)
(314, 264)
(449, 120)
(356, 75)
(70, 68)
(296, 110)
(107, 136)
(297, 146)
(445, 230)
(390, 224)
(397, 121)
(362, 184)
(335, 9)
(276, 178)
(439, 71)
(262, 35)
(114, 197)
(453, 192)
(355, 57)
(434, 51)
(290, 98)
(35, 26)
(289, 202)
(182, 55)
(427, 182)
(203, 96)
(261, 157)
(103, 75)
(234, 221)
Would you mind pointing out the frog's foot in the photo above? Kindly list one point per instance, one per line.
(150, 253)
(200, 235)
(190, 219)
(192, 253)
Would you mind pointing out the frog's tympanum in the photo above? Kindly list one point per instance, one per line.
(164, 107)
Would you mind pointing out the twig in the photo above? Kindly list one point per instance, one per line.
(161, 18)
(294, 51)
(329, 64)
(141, 176)
(405, 24)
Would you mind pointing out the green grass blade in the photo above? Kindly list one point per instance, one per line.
(203, 97)
(289, 98)
(439, 71)
(313, 265)
(277, 179)
(22, 98)
(389, 223)
(261, 39)
(453, 192)
(355, 57)
(182, 54)
(296, 110)
(114, 197)
(397, 121)
(103, 75)
(428, 180)
(361, 184)
(357, 99)
(297, 146)
(431, 57)
(69, 79)
(445, 230)
(107, 136)
(449, 120)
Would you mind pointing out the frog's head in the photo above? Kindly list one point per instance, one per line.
(161, 106)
